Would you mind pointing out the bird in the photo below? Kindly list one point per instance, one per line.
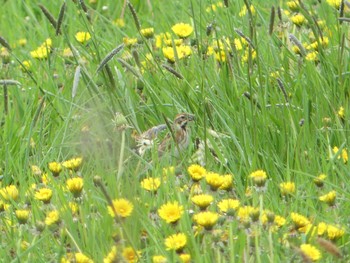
(179, 135)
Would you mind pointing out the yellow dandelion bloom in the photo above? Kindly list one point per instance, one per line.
(202, 200)
(44, 195)
(22, 215)
(334, 3)
(150, 184)
(227, 182)
(73, 164)
(329, 198)
(334, 232)
(196, 172)
(55, 168)
(176, 242)
(182, 30)
(171, 212)
(122, 208)
(112, 256)
(120, 22)
(129, 42)
(215, 180)
(228, 206)
(244, 10)
(9, 193)
(206, 219)
(26, 65)
(75, 185)
(130, 255)
(312, 56)
(310, 252)
(243, 213)
(298, 19)
(343, 155)
(147, 32)
(293, 5)
(287, 188)
(259, 178)
(319, 180)
(159, 259)
(299, 221)
(82, 37)
(177, 42)
(74, 207)
(81, 258)
(22, 42)
(279, 220)
(341, 113)
(52, 217)
(321, 228)
(185, 258)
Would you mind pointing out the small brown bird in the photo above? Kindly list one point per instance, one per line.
(179, 136)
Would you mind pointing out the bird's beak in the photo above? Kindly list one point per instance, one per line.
(191, 117)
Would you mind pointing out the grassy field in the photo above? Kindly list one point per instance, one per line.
(265, 176)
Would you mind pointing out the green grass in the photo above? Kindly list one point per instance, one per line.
(290, 136)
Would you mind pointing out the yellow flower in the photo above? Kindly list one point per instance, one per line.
(341, 113)
(312, 56)
(159, 259)
(119, 22)
(244, 212)
(344, 154)
(334, 3)
(112, 256)
(129, 42)
(259, 178)
(196, 172)
(310, 252)
(81, 258)
(293, 5)
(245, 57)
(279, 221)
(220, 56)
(177, 42)
(73, 164)
(334, 233)
(171, 212)
(185, 258)
(22, 42)
(147, 32)
(9, 192)
(202, 200)
(122, 207)
(74, 207)
(43, 194)
(53, 217)
(227, 182)
(329, 198)
(82, 37)
(182, 30)
(181, 52)
(176, 242)
(55, 168)
(36, 170)
(215, 180)
(22, 215)
(150, 184)
(321, 228)
(130, 255)
(298, 19)
(168, 171)
(206, 219)
(319, 180)
(26, 65)
(299, 221)
(75, 185)
(244, 9)
(228, 206)
(287, 188)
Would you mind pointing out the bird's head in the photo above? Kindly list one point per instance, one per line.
(182, 119)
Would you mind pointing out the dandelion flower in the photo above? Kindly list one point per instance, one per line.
(22, 215)
(185, 258)
(196, 172)
(122, 208)
(259, 178)
(52, 217)
(159, 259)
(341, 113)
(310, 252)
(119, 22)
(334, 232)
(147, 32)
(329, 198)
(227, 182)
(130, 255)
(206, 219)
(55, 168)
(319, 180)
(215, 180)
(75, 186)
(9, 193)
(176, 242)
(44, 195)
(243, 213)
(82, 37)
(171, 212)
(298, 19)
(81, 258)
(287, 188)
(202, 200)
(182, 30)
(334, 3)
(73, 164)
(150, 184)
(112, 255)
(299, 221)
(228, 206)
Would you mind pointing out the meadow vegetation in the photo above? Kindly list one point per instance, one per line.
(265, 176)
